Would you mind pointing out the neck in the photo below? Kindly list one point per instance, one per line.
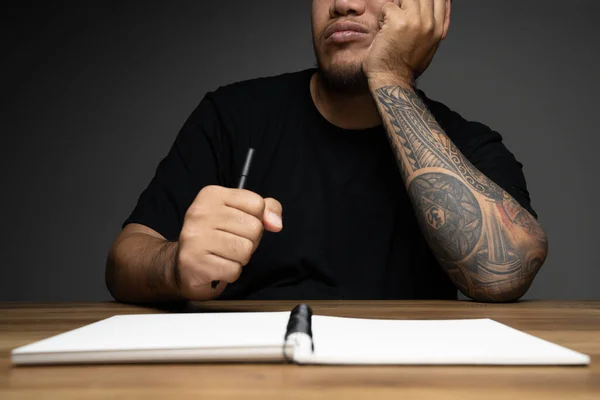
(356, 111)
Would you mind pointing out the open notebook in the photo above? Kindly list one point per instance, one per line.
(259, 337)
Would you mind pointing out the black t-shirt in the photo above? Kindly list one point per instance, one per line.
(349, 228)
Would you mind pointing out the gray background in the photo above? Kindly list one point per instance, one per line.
(93, 94)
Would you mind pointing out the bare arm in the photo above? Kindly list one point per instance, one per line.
(489, 245)
(141, 267)
(221, 230)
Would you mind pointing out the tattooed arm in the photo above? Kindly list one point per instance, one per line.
(488, 244)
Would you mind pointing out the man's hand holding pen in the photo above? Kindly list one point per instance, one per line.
(221, 231)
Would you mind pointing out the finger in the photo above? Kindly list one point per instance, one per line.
(410, 5)
(222, 269)
(389, 11)
(398, 9)
(440, 14)
(232, 247)
(239, 223)
(245, 200)
(388, 7)
(447, 7)
(427, 10)
(272, 218)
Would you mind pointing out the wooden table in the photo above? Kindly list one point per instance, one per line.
(572, 324)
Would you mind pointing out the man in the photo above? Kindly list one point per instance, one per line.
(386, 194)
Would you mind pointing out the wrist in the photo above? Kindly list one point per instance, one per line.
(175, 287)
(171, 278)
(377, 81)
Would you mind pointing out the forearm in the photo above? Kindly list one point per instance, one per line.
(488, 244)
(140, 269)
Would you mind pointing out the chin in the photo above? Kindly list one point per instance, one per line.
(346, 77)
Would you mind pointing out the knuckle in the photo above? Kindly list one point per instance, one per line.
(401, 24)
(234, 217)
(428, 27)
(254, 203)
(212, 268)
(413, 23)
(243, 248)
(210, 191)
(246, 260)
(216, 272)
(256, 227)
(197, 211)
(257, 203)
(236, 245)
(210, 194)
(248, 246)
(233, 272)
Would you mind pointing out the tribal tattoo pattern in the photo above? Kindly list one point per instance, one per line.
(448, 212)
(489, 245)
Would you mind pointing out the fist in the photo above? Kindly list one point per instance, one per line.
(409, 36)
(221, 231)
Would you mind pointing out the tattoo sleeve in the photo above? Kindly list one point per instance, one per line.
(489, 245)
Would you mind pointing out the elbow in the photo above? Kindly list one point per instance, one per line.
(499, 292)
(510, 286)
(113, 283)
(111, 276)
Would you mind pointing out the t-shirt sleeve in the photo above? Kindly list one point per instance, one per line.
(485, 149)
(197, 158)
(490, 156)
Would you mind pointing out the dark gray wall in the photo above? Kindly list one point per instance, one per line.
(92, 96)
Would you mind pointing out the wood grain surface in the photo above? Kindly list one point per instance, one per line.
(575, 325)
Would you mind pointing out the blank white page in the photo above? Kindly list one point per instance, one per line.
(168, 332)
(475, 341)
(240, 336)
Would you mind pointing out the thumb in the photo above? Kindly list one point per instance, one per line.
(272, 217)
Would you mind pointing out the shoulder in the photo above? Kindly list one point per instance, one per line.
(259, 91)
(245, 108)
(241, 109)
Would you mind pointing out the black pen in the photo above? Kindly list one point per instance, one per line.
(241, 185)
(298, 336)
